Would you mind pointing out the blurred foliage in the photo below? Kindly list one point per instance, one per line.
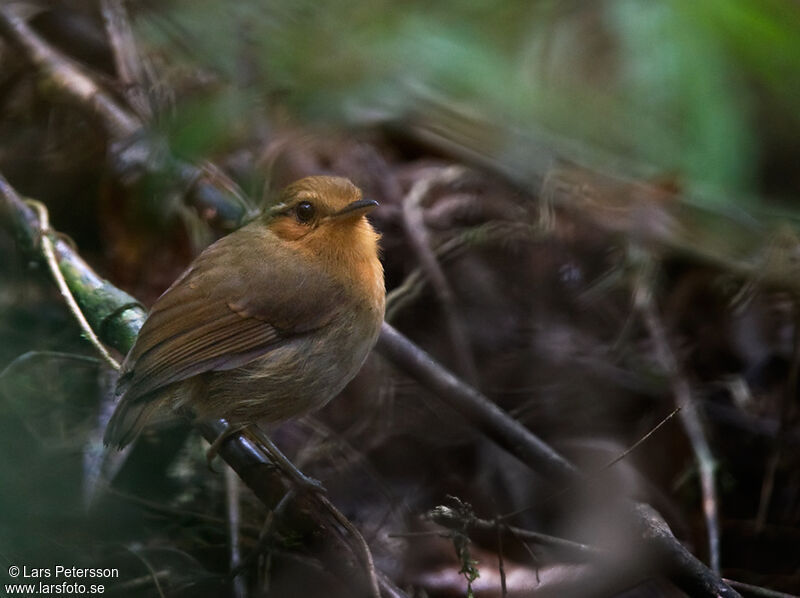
(648, 87)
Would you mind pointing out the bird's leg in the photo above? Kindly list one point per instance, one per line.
(279, 460)
(301, 480)
(213, 450)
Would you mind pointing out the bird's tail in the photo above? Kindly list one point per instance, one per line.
(128, 420)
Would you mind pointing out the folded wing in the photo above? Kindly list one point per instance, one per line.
(222, 313)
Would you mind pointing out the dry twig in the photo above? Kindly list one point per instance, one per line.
(689, 414)
(414, 221)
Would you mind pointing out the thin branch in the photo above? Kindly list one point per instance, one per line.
(50, 257)
(232, 496)
(265, 537)
(500, 564)
(592, 477)
(153, 575)
(127, 59)
(290, 472)
(388, 587)
(414, 222)
(491, 232)
(366, 554)
(758, 590)
(785, 406)
(690, 416)
(638, 443)
(448, 518)
(484, 414)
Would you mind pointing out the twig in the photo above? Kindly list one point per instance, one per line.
(112, 312)
(592, 477)
(126, 57)
(448, 518)
(50, 257)
(690, 416)
(638, 443)
(414, 221)
(153, 575)
(232, 500)
(173, 512)
(758, 590)
(491, 232)
(786, 403)
(390, 590)
(366, 554)
(265, 536)
(31, 355)
(500, 565)
(290, 472)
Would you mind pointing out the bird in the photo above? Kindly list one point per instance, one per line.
(268, 323)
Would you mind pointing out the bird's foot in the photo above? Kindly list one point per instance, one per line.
(213, 450)
(304, 483)
(300, 481)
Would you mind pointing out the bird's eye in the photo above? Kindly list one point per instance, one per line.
(305, 211)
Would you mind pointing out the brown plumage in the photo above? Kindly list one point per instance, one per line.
(269, 322)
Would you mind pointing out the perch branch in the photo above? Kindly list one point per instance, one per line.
(689, 414)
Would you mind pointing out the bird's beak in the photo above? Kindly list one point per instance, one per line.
(355, 209)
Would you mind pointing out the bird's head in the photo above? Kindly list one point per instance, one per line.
(320, 209)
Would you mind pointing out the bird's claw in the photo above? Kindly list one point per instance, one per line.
(213, 450)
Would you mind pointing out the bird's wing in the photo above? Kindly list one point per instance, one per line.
(223, 313)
